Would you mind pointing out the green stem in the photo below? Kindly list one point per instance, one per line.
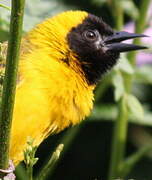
(20, 172)
(6, 7)
(130, 162)
(45, 172)
(139, 27)
(119, 139)
(30, 172)
(10, 80)
(117, 12)
(105, 83)
(121, 125)
(67, 139)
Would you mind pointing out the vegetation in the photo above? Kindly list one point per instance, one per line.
(122, 100)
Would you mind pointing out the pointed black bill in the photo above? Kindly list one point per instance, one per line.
(122, 47)
(122, 35)
(113, 42)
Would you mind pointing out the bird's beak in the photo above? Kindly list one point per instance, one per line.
(113, 42)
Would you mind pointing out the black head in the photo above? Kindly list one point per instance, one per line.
(97, 46)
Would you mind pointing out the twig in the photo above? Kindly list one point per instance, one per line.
(6, 7)
(6, 110)
(53, 160)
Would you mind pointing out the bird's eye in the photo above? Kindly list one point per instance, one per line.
(91, 35)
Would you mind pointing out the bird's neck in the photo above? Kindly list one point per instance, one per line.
(48, 69)
(48, 81)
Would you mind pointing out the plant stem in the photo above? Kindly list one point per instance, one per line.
(139, 27)
(30, 172)
(3, 6)
(10, 80)
(20, 172)
(102, 88)
(133, 159)
(44, 173)
(66, 140)
(119, 139)
(121, 124)
(117, 12)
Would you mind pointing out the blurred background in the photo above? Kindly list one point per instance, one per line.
(86, 155)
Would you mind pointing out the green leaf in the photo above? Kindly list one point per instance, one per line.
(118, 83)
(143, 74)
(124, 65)
(98, 2)
(42, 10)
(105, 111)
(4, 21)
(130, 9)
(135, 107)
(109, 112)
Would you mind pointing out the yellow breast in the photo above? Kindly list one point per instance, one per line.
(49, 98)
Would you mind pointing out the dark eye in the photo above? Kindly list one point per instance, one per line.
(91, 35)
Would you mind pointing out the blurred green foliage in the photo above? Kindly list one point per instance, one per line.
(112, 87)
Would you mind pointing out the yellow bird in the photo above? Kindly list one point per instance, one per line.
(61, 61)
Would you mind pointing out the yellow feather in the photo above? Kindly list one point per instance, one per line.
(50, 95)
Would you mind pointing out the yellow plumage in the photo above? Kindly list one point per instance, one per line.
(61, 61)
(50, 95)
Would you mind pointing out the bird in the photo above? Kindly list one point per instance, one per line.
(61, 61)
